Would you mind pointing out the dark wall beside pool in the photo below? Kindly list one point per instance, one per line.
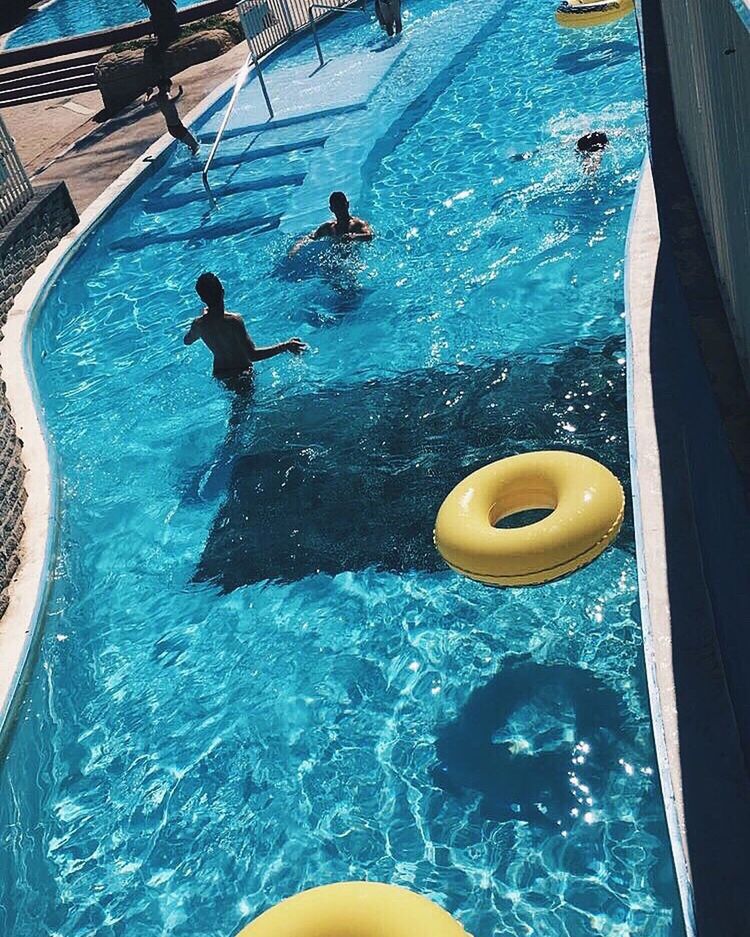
(708, 52)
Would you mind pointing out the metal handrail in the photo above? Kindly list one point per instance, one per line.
(311, 18)
(250, 60)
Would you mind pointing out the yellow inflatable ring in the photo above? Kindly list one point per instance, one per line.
(592, 12)
(587, 504)
(355, 909)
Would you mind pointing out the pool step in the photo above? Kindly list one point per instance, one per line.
(202, 233)
(163, 200)
(251, 156)
(281, 122)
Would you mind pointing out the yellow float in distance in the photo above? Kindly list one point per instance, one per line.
(355, 909)
(577, 13)
(587, 504)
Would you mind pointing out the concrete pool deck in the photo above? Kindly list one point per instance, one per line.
(90, 156)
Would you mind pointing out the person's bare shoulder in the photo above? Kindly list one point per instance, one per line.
(324, 230)
(236, 319)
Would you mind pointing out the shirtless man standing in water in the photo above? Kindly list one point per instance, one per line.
(225, 334)
(345, 228)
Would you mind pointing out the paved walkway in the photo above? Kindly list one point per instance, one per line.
(60, 140)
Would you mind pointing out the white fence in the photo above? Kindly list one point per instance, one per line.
(15, 188)
(269, 22)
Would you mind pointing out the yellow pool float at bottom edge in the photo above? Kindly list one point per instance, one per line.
(592, 12)
(355, 909)
(588, 505)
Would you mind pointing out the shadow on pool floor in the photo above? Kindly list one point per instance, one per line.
(352, 477)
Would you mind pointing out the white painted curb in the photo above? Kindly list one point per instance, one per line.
(641, 252)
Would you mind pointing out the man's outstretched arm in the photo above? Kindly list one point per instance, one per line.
(193, 333)
(321, 231)
(294, 345)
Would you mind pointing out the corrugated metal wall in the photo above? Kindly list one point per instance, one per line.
(709, 59)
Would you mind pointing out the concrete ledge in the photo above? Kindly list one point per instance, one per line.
(645, 472)
(692, 543)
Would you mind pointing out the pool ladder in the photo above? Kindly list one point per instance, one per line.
(252, 60)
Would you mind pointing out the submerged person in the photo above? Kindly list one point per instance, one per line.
(226, 336)
(388, 13)
(167, 106)
(590, 147)
(346, 226)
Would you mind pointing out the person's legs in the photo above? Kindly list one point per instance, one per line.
(181, 133)
(242, 391)
(166, 35)
(189, 140)
(384, 13)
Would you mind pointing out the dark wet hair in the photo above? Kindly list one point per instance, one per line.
(208, 287)
(338, 198)
(592, 142)
(164, 84)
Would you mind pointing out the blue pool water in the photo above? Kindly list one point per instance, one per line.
(59, 19)
(256, 675)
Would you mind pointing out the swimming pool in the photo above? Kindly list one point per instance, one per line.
(59, 19)
(256, 675)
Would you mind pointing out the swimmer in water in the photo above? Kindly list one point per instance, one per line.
(590, 147)
(225, 334)
(388, 13)
(345, 228)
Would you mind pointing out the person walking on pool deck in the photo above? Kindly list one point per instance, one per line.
(345, 228)
(225, 334)
(171, 115)
(164, 22)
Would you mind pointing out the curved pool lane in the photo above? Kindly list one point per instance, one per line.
(256, 675)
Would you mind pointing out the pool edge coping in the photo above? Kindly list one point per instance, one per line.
(29, 588)
(641, 252)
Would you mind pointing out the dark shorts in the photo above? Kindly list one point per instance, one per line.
(239, 382)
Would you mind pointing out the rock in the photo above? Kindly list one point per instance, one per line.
(124, 76)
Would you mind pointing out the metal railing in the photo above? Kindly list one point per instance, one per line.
(311, 20)
(238, 85)
(268, 23)
(15, 188)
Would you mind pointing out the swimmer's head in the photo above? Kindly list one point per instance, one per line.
(339, 203)
(164, 85)
(592, 142)
(208, 287)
